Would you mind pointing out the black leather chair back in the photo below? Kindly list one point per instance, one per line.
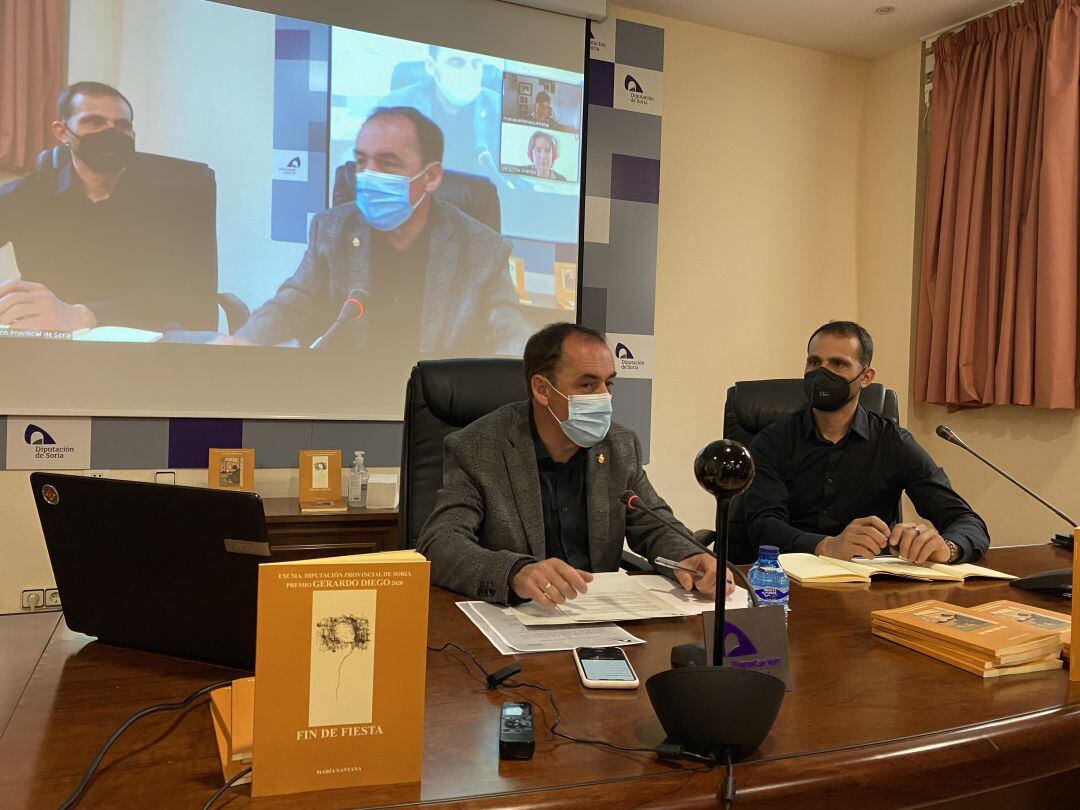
(752, 406)
(473, 194)
(443, 396)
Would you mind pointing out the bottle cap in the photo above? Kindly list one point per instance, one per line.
(769, 550)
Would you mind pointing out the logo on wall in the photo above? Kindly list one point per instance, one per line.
(35, 435)
(633, 355)
(641, 90)
(44, 443)
(290, 165)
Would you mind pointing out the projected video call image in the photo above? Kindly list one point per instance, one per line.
(309, 186)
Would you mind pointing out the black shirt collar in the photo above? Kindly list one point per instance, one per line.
(860, 425)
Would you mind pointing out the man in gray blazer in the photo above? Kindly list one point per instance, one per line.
(434, 280)
(531, 500)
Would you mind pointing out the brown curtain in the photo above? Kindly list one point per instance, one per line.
(31, 76)
(998, 293)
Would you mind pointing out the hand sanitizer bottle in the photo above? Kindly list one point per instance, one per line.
(358, 481)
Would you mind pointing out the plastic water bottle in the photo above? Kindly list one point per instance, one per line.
(358, 481)
(768, 580)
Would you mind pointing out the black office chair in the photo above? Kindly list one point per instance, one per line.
(443, 396)
(191, 176)
(473, 194)
(751, 407)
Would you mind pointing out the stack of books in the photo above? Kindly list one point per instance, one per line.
(973, 639)
(232, 709)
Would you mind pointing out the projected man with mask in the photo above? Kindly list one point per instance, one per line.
(104, 235)
(452, 95)
(433, 279)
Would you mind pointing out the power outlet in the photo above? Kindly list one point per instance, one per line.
(52, 598)
(98, 473)
(165, 477)
(33, 599)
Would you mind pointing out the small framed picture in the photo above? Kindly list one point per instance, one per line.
(231, 469)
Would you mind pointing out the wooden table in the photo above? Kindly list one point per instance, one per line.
(868, 722)
(294, 535)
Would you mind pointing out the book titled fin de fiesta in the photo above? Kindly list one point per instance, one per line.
(340, 664)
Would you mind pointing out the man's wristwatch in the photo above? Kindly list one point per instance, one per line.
(954, 551)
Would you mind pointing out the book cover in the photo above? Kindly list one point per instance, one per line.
(320, 482)
(243, 714)
(340, 665)
(221, 715)
(1028, 616)
(231, 469)
(963, 627)
(971, 663)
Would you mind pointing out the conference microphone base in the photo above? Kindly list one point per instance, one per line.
(715, 710)
(1053, 583)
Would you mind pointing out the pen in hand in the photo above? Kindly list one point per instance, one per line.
(664, 562)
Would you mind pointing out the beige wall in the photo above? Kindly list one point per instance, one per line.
(758, 200)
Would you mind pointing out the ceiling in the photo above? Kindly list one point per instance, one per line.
(845, 27)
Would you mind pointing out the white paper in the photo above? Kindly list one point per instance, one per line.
(519, 638)
(116, 334)
(482, 626)
(691, 603)
(612, 597)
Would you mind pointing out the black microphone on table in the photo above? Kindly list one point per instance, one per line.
(352, 310)
(717, 709)
(1055, 583)
(634, 503)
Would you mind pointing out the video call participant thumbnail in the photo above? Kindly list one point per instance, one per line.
(543, 152)
(101, 239)
(436, 279)
(454, 97)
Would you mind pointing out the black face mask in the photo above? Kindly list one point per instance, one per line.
(108, 151)
(827, 391)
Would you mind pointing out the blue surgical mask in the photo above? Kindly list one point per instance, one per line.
(589, 418)
(383, 199)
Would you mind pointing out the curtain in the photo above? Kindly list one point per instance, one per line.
(31, 76)
(998, 308)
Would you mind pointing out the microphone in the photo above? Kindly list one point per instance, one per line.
(1057, 582)
(351, 311)
(633, 503)
(947, 434)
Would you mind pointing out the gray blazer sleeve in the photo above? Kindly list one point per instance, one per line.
(450, 537)
(298, 309)
(646, 535)
(507, 327)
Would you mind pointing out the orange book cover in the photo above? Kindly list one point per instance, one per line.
(969, 663)
(1027, 616)
(243, 716)
(221, 712)
(340, 665)
(963, 626)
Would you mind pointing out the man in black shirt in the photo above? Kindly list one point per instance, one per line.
(829, 477)
(101, 239)
(531, 504)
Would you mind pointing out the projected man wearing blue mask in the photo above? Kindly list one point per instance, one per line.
(435, 280)
(454, 97)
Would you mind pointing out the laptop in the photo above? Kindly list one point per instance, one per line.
(156, 567)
